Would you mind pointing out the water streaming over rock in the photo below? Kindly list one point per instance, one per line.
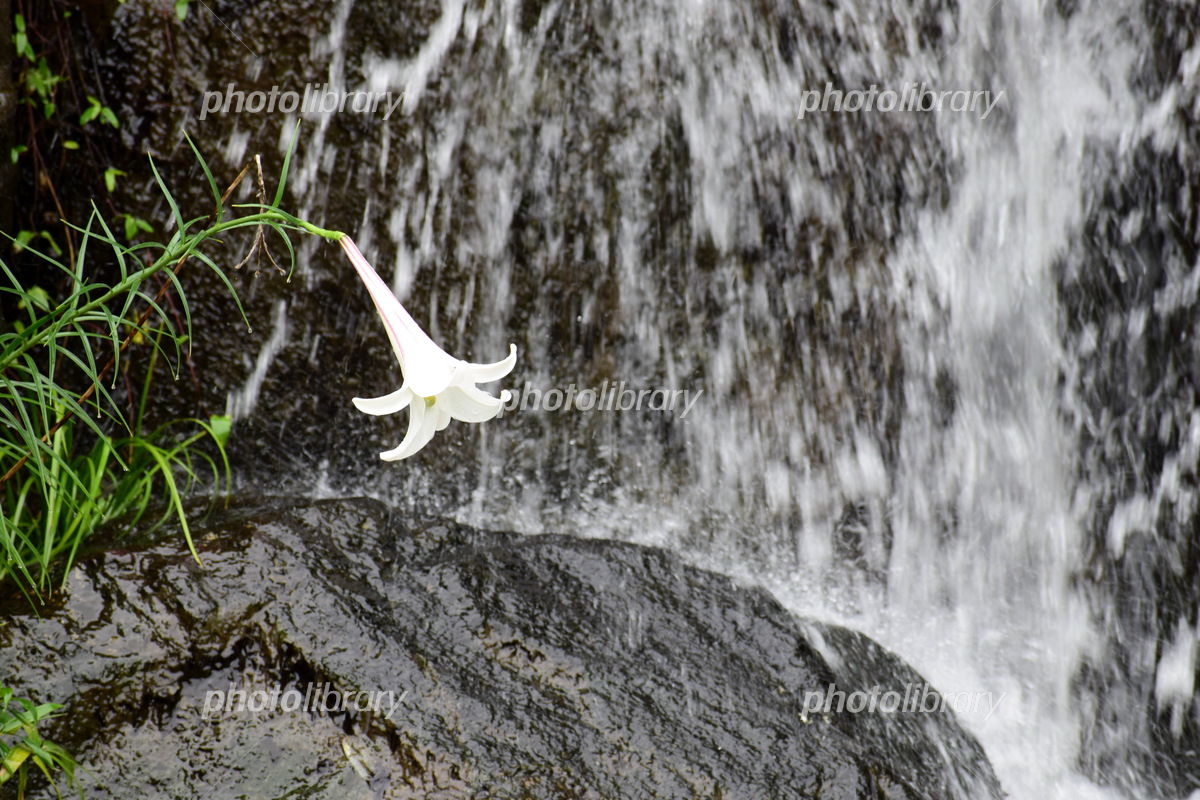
(946, 360)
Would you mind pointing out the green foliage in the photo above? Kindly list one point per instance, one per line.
(97, 109)
(71, 457)
(20, 743)
(49, 71)
(21, 39)
(41, 83)
(135, 225)
(63, 494)
(110, 178)
(23, 238)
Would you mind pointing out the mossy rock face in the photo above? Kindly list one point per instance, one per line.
(527, 666)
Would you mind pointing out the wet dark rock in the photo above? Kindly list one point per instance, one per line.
(534, 667)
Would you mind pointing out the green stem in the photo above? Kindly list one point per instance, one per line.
(71, 310)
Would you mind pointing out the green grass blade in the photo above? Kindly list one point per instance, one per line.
(181, 227)
(287, 160)
(212, 184)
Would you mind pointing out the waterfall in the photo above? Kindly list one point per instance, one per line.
(897, 319)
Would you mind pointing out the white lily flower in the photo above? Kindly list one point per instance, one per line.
(437, 386)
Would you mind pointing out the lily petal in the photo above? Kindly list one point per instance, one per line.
(427, 382)
(437, 387)
(421, 427)
(483, 373)
(443, 415)
(388, 404)
(469, 404)
(410, 343)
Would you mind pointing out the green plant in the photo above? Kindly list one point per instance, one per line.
(21, 38)
(20, 743)
(65, 113)
(41, 83)
(135, 225)
(23, 238)
(97, 109)
(72, 457)
(39, 80)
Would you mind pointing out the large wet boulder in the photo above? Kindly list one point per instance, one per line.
(465, 663)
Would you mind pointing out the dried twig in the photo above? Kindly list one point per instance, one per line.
(260, 238)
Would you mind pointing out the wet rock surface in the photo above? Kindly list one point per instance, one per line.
(524, 667)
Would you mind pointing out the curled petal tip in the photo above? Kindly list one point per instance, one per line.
(421, 427)
(388, 404)
(483, 373)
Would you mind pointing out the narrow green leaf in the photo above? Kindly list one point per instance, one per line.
(170, 200)
(225, 280)
(212, 184)
(118, 250)
(287, 159)
(275, 226)
(176, 502)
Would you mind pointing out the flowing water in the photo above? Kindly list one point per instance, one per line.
(899, 428)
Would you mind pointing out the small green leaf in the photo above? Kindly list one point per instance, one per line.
(135, 224)
(23, 239)
(91, 112)
(19, 22)
(41, 81)
(48, 109)
(36, 296)
(107, 115)
(181, 9)
(15, 153)
(70, 144)
(221, 426)
(110, 178)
